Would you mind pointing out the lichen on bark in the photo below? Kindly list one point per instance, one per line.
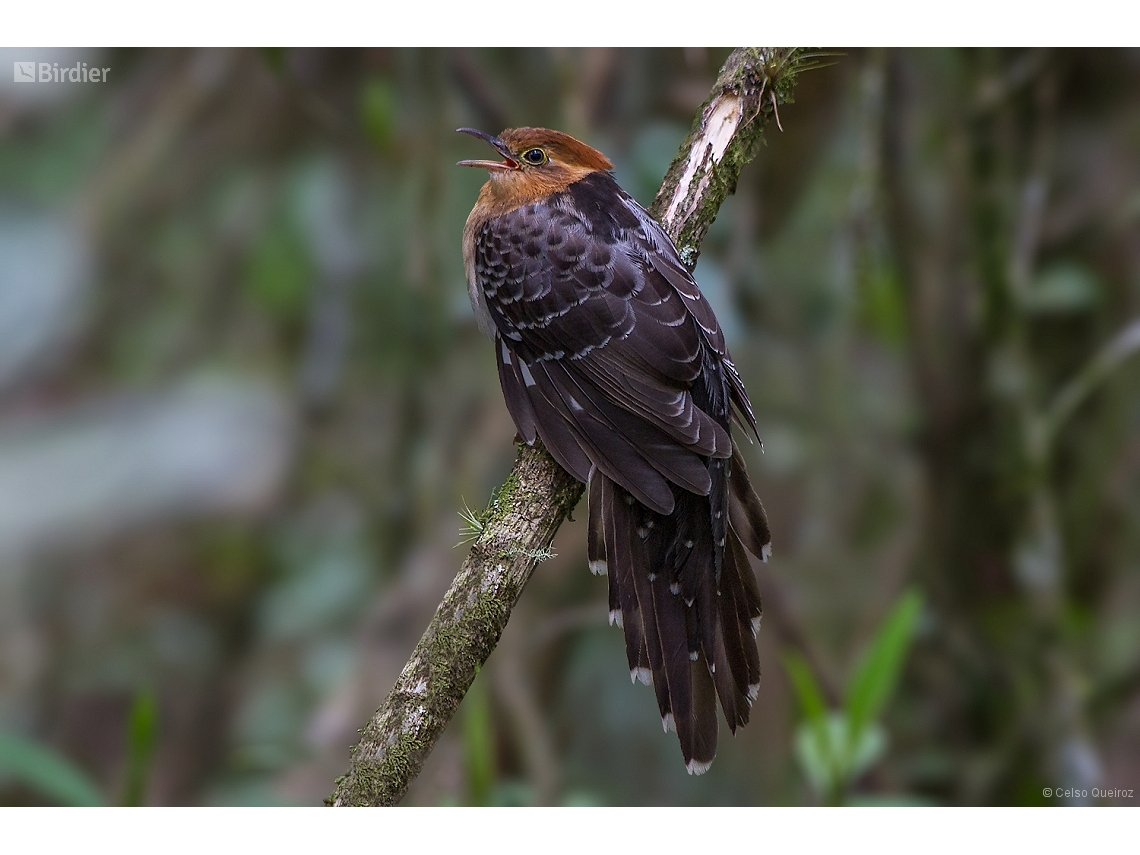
(526, 511)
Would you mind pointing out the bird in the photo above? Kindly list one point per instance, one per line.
(608, 352)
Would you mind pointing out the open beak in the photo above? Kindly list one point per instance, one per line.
(495, 143)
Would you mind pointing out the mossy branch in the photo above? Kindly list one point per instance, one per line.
(536, 498)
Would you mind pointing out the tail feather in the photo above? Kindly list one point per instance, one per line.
(683, 590)
(619, 560)
(596, 539)
(691, 547)
(704, 721)
(737, 570)
(733, 702)
(746, 511)
(669, 612)
(643, 591)
(736, 643)
(708, 610)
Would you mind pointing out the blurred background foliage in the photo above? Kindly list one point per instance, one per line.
(242, 400)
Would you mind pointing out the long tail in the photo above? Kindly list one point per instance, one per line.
(684, 592)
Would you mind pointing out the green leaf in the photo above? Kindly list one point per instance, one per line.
(45, 770)
(878, 672)
(866, 752)
(142, 735)
(815, 759)
(478, 744)
(806, 688)
(830, 760)
(814, 745)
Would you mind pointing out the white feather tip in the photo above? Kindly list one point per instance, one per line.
(694, 767)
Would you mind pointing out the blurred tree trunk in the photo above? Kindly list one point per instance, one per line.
(966, 141)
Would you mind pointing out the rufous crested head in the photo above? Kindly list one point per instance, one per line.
(536, 162)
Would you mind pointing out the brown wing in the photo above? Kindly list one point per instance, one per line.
(601, 352)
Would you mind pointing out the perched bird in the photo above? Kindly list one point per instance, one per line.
(608, 352)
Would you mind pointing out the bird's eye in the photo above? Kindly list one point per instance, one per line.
(535, 155)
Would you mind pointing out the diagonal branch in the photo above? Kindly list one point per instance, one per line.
(1123, 345)
(526, 511)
